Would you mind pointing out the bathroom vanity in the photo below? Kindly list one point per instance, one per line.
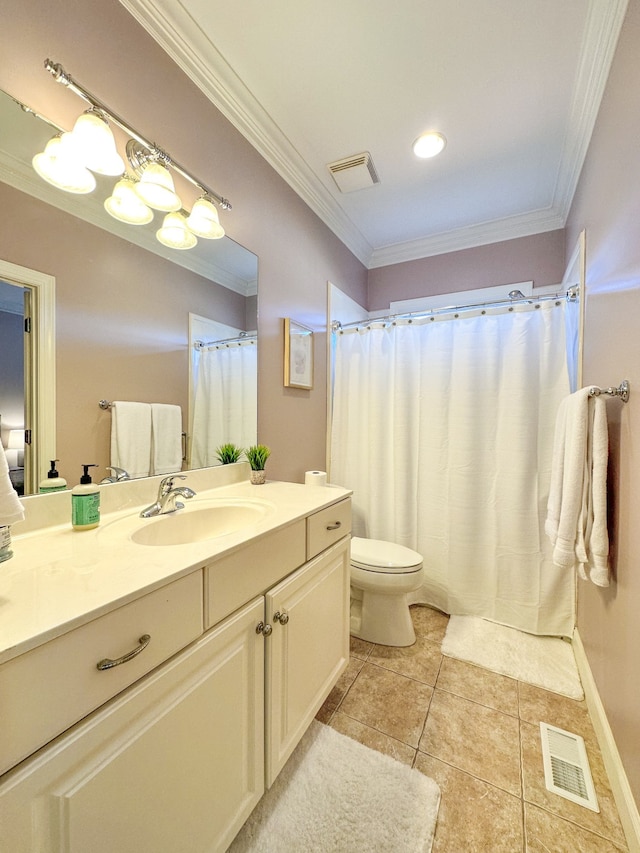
(150, 693)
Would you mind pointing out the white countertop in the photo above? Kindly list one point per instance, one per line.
(60, 578)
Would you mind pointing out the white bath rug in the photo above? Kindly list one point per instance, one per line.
(543, 661)
(335, 795)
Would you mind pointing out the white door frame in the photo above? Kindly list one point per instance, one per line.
(43, 329)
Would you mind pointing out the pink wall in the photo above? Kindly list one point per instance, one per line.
(607, 205)
(540, 257)
(100, 45)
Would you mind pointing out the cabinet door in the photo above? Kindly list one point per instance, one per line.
(175, 764)
(306, 654)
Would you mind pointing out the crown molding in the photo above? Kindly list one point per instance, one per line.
(170, 24)
(602, 30)
(468, 237)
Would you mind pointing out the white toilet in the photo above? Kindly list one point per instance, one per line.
(382, 574)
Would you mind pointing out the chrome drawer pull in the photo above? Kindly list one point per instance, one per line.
(334, 526)
(108, 664)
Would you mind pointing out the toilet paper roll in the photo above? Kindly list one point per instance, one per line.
(315, 478)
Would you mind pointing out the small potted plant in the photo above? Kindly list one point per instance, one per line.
(228, 453)
(257, 456)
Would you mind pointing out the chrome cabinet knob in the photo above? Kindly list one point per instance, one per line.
(263, 629)
(282, 618)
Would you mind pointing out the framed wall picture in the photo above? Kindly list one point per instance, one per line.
(298, 355)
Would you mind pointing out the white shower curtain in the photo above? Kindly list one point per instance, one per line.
(443, 429)
(225, 403)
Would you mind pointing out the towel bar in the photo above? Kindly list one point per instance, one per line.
(623, 390)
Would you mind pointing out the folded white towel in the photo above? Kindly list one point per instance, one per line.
(166, 430)
(11, 510)
(131, 437)
(577, 508)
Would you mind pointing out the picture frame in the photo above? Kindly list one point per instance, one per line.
(298, 355)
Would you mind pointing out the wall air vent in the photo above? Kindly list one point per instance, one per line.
(566, 767)
(354, 173)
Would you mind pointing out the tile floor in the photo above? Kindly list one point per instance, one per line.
(477, 734)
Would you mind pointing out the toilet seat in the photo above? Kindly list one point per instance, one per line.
(378, 556)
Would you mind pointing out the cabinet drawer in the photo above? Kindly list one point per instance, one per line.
(327, 526)
(46, 690)
(232, 581)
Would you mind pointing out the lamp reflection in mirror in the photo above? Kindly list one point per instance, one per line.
(203, 220)
(15, 448)
(174, 232)
(57, 165)
(95, 146)
(126, 205)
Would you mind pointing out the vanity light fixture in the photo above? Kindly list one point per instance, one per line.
(155, 186)
(174, 232)
(203, 220)
(429, 144)
(126, 205)
(93, 140)
(58, 166)
(70, 158)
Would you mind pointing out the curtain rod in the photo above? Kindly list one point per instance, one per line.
(241, 338)
(571, 295)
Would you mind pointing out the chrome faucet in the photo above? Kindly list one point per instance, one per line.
(167, 493)
(118, 475)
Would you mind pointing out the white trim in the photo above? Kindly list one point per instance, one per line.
(44, 355)
(170, 24)
(627, 808)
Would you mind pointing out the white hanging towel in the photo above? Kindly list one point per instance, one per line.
(166, 443)
(131, 437)
(11, 510)
(577, 508)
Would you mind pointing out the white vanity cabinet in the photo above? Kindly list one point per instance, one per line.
(307, 650)
(178, 760)
(173, 764)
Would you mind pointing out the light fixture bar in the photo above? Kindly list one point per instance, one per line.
(60, 76)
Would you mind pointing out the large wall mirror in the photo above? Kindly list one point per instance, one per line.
(127, 313)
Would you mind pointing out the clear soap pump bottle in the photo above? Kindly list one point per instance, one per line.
(85, 502)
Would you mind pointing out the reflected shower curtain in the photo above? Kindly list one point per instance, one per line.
(443, 429)
(225, 402)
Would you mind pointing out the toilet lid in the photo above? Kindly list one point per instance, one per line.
(377, 555)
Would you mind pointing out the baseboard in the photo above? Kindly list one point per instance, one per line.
(627, 809)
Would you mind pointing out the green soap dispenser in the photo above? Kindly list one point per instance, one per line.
(85, 502)
(53, 481)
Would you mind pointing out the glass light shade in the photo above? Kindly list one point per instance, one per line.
(57, 165)
(96, 147)
(429, 144)
(203, 220)
(175, 233)
(156, 188)
(125, 204)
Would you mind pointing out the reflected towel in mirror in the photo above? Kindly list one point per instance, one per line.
(131, 437)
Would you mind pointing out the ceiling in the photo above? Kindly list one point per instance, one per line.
(514, 85)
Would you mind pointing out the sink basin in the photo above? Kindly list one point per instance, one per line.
(196, 523)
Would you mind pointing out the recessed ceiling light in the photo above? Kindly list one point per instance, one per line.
(429, 144)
